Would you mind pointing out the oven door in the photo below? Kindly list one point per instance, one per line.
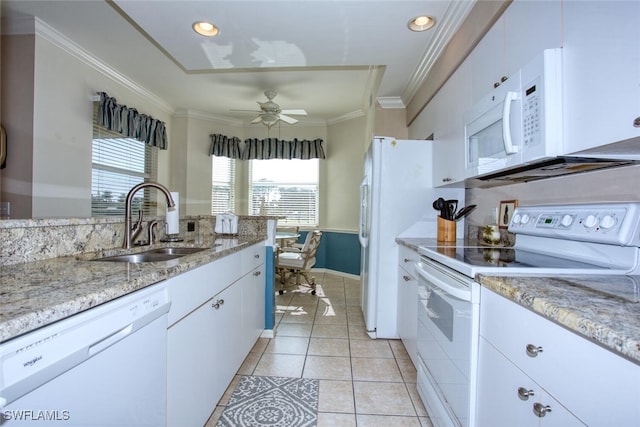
(448, 328)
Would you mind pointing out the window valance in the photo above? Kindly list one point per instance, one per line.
(130, 123)
(263, 149)
(224, 146)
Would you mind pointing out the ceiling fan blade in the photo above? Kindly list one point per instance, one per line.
(299, 112)
(257, 119)
(246, 111)
(287, 119)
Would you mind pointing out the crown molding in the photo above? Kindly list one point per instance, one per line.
(345, 117)
(48, 33)
(445, 29)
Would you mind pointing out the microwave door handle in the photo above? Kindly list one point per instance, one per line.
(509, 148)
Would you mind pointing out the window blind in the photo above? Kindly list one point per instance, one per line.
(117, 165)
(223, 187)
(287, 188)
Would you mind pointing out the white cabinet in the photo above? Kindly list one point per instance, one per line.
(216, 316)
(601, 66)
(408, 301)
(507, 396)
(524, 30)
(448, 134)
(574, 377)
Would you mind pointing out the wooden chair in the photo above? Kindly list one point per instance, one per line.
(299, 261)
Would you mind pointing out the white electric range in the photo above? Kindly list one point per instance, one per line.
(552, 240)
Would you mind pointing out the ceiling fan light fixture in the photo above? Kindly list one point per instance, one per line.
(421, 23)
(269, 119)
(205, 28)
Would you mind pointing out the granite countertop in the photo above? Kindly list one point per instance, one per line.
(35, 294)
(603, 309)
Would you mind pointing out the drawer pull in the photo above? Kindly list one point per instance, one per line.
(256, 273)
(217, 304)
(406, 260)
(532, 350)
(406, 278)
(524, 394)
(257, 256)
(541, 410)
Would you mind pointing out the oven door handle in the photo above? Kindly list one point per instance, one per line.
(461, 292)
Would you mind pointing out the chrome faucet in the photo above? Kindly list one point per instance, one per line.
(127, 210)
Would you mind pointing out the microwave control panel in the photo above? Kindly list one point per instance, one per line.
(531, 113)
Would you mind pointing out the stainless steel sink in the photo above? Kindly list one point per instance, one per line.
(153, 255)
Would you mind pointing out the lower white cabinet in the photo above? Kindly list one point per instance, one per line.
(408, 301)
(572, 380)
(212, 333)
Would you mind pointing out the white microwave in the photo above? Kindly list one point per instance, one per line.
(520, 121)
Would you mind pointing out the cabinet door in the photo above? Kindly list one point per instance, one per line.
(408, 313)
(601, 64)
(524, 30)
(191, 369)
(203, 355)
(253, 307)
(448, 148)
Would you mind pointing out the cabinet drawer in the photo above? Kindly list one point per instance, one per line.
(598, 386)
(407, 258)
(189, 290)
(499, 403)
(252, 257)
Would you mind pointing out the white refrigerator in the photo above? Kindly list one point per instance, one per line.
(396, 199)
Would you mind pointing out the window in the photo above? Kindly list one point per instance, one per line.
(287, 188)
(118, 164)
(223, 187)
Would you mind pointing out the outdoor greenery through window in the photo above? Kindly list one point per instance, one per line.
(223, 186)
(118, 164)
(287, 188)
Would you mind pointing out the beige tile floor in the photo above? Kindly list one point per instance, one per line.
(363, 382)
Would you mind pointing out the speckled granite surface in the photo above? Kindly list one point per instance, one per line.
(604, 309)
(34, 294)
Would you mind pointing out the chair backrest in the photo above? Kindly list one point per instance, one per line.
(311, 247)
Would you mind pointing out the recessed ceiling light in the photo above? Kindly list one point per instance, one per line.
(421, 23)
(206, 29)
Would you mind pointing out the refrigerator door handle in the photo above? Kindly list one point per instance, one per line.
(363, 234)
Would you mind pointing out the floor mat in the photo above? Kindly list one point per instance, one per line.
(272, 401)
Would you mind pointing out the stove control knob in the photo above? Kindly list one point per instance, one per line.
(566, 220)
(590, 221)
(516, 219)
(525, 218)
(607, 222)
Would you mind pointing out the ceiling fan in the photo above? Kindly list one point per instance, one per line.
(270, 112)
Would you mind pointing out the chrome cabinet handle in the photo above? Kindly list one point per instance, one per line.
(447, 179)
(406, 278)
(217, 304)
(406, 260)
(532, 350)
(636, 122)
(256, 256)
(256, 273)
(524, 394)
(541, 410)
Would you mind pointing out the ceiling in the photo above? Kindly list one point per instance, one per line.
(322, 56)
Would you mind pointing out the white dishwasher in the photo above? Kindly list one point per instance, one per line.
(102, 367)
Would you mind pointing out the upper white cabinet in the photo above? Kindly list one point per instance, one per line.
(448, 128)
(601, 72)
(524, 30)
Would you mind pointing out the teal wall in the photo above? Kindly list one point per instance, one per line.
(338, 252)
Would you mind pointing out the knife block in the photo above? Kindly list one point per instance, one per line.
(446, 230)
